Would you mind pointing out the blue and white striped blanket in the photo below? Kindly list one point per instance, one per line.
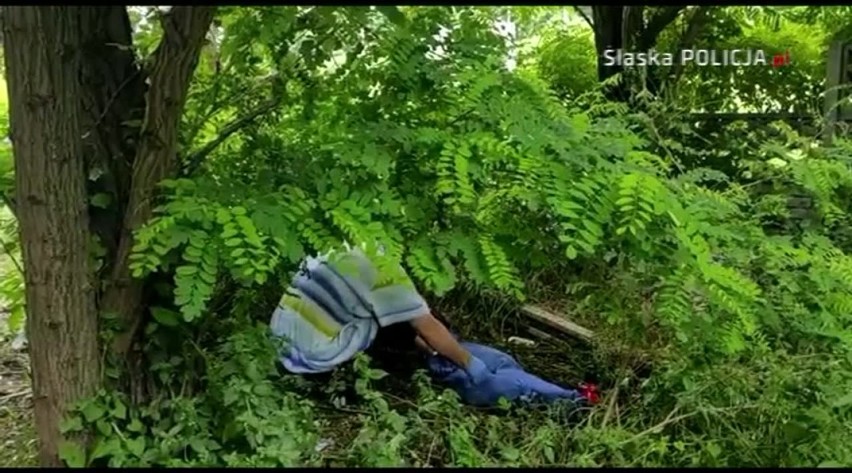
(335, 306)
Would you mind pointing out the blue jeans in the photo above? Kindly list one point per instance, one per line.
(507, 380)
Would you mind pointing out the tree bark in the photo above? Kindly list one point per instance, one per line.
(699, 20)
(661, 18)
(42, 47)
(74, 86)
(114, 105)
(184, 31)
(607, 20)
(632, 28)
(625, 27)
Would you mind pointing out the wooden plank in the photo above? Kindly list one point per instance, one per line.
(557, 322)
(542, 335)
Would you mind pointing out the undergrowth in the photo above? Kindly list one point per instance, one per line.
(478, 178)
(250, 414)
(482, 181)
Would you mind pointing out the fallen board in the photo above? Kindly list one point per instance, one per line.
(556, 322)
(543, 335)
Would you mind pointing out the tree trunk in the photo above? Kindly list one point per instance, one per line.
(607, 21)
(114, 105)
(626, 27)
(42, 47)
(74, 85)
(696, 25)
(184, 31)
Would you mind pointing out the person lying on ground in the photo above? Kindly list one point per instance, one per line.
(337, 303)
(508, 379)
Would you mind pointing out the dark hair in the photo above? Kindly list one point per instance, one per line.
(398, 337)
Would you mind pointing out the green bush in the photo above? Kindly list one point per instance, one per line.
(481, 179)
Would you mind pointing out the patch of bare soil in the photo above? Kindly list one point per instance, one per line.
(17, 432)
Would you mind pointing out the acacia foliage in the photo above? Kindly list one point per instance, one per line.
(477, 176)
(467, 171)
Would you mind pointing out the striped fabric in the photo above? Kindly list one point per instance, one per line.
(334, 308)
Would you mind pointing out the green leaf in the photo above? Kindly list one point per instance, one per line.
(197, 444)
(136, 446)
(207, 277)
(244, 221)
(166, 317)
(92, 412)
(119, 411)
(103, 426)
(377, 374)
(71, 424)
(187, 270)
(222, 216)
(72, 454)
(198, 240)
(713, 450)
(393, 14)
(624, 200)
(136, 426)
(263, 390)
(511, 454)
(843, 401)
(229, 231)
(101, 200)
(570, 252)
(105, 447)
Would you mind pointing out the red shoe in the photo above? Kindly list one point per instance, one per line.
(590, 392)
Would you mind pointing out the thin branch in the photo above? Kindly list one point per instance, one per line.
(671, 419)
(632, 25)
(111, 100)
(214, 108)
(611, 406)
(8, 202)
(195, 158)
(664, 17)
(696, 25)
(217, 105)
(585, 17)
(12, 258)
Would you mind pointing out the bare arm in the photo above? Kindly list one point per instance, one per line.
(436, 335)
(422, 345)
